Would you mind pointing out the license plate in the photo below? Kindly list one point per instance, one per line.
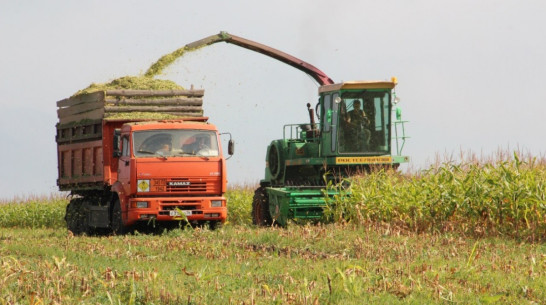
(176, 213)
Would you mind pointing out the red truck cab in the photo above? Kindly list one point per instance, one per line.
(170, 170)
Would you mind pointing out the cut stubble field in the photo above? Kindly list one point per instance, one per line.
(309, 264)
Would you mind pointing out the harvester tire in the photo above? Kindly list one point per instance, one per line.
(276, 160)
(260, 208)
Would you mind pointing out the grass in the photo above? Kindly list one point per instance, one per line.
(395, 245)
(336, 264)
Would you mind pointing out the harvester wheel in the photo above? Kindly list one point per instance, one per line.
(276, 160)
(260, 208)
(116, 221)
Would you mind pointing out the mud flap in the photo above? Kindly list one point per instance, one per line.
(99, 217)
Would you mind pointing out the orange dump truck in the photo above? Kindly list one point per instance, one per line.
(139, 156)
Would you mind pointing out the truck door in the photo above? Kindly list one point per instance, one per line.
(124, 166)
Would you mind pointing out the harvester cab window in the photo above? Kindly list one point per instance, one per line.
(327, 115)
(334, 115)
(364, 120)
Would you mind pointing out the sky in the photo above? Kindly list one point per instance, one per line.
(470, 72)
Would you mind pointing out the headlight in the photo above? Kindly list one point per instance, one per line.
(216, 203)
(143, 185)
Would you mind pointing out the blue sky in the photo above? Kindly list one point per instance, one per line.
(470, 72)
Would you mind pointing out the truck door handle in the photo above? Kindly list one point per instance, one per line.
(126, 163)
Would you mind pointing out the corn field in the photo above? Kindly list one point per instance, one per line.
(495, 198)
(506, 197)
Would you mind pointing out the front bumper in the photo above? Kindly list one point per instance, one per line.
(193, 209)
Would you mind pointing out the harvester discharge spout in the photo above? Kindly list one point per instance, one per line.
(288, 59)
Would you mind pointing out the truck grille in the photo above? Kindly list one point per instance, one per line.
(192, 186)
(186, 185)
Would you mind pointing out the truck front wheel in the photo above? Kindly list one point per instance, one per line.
(215, 225)
(118, 228)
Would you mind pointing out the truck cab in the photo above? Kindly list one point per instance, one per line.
(170, 170)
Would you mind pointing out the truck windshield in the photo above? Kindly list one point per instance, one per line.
(170, 142)
(364, 120)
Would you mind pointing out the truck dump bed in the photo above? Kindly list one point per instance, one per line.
(86, 123)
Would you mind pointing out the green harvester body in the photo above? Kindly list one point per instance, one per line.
(305, 166)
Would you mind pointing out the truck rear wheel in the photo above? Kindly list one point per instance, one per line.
(76, 217)
(260, 208)
(118, 228)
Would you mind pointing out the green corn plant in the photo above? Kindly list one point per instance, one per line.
(506, 197)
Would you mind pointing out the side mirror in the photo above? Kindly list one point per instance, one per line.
(116, 147)
(231, 147)
(317, 110)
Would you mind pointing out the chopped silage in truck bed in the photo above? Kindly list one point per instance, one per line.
(133, 97)
(131, 104)
(132, 82)
(146, 81)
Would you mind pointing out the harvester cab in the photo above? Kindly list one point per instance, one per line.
(356, 120)
(355, 128)
(355, 133)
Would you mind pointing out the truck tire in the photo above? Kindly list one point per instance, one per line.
(260, 208)
(215, 225)
(85, 214)
(116, 223)
(75, 217)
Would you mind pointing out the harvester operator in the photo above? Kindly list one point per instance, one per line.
(356, 133)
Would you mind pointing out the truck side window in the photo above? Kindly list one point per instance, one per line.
(125, 147)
